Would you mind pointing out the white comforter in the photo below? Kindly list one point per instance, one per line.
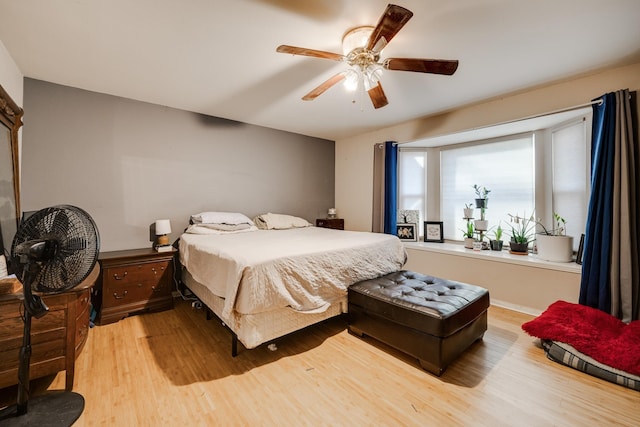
(303, 268)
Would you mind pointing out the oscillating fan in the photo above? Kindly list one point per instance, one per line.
(54, 250)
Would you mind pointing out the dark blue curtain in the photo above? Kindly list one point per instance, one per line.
(596, 265)
(390, 186)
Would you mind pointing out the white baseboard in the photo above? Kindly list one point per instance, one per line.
(515, 307)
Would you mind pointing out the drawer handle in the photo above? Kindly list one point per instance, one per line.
(82, 333)
(156, 288)
(115, 276)
(115, 295)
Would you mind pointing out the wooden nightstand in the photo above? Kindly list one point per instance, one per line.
(335, 223)
(133, 281)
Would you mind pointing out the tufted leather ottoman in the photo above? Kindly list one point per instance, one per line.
(432, 319)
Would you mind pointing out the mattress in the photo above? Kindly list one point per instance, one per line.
(303, 269)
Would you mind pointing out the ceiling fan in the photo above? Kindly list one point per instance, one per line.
(361, 48)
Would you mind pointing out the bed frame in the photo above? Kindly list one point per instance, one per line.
(255, 329)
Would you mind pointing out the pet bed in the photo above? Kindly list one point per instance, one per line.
(590, 340)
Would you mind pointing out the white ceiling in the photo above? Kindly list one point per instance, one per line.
(218, 57)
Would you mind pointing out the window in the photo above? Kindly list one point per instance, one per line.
(570, 183)
(412, 181)
(505, 167)
(543, 170)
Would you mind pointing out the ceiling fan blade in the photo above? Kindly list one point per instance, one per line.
(378, 98)
(323, 87)
(293, 50)
(433, 66)
(391, 21)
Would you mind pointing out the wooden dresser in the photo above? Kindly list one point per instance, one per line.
(133, 281)
(56, 338)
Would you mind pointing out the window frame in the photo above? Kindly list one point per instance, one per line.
(543, 168)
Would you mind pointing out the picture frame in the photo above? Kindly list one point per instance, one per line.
(580, 250)
(406, 232)
(434, 231)
(408, 216)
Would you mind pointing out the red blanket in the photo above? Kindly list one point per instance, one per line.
(592, 332)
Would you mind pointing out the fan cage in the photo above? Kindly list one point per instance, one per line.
(76, 241)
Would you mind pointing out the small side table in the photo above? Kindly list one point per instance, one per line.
(335, 223)
(133, 281)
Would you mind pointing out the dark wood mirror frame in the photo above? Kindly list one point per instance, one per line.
(11, 119)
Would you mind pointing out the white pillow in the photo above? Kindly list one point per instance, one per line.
(226, 227)
(271, 221)
(232, 218)
(214, 229)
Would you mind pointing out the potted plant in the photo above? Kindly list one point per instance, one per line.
(468, 235)
(553, 243)
(522, 230)
(468, 211)
(482, 198)
(481, 224)
(496, 242)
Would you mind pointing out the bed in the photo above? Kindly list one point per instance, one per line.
(267, 282)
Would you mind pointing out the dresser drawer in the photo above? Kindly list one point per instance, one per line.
(82, 318)
(84, 298)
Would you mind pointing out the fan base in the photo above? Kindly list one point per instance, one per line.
(54, 408)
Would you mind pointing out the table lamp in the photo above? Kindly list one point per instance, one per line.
(163, 229)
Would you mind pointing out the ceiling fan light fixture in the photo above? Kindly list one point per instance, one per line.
(356, 38)
(374, 72)
(371, 76)
(351, 79)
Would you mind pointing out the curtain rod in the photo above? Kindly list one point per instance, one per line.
(598, 101)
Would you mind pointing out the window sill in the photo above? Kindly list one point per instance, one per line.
(529, 260)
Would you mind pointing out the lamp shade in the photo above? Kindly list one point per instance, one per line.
(163, 226)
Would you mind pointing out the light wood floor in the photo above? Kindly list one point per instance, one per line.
(174, 368)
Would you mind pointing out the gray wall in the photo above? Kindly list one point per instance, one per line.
(128, 163)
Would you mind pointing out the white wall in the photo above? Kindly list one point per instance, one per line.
(516, 285)
(11, 78)
(128, 163)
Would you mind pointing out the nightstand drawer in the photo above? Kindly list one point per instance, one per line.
(123, 295)
(133, 274)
